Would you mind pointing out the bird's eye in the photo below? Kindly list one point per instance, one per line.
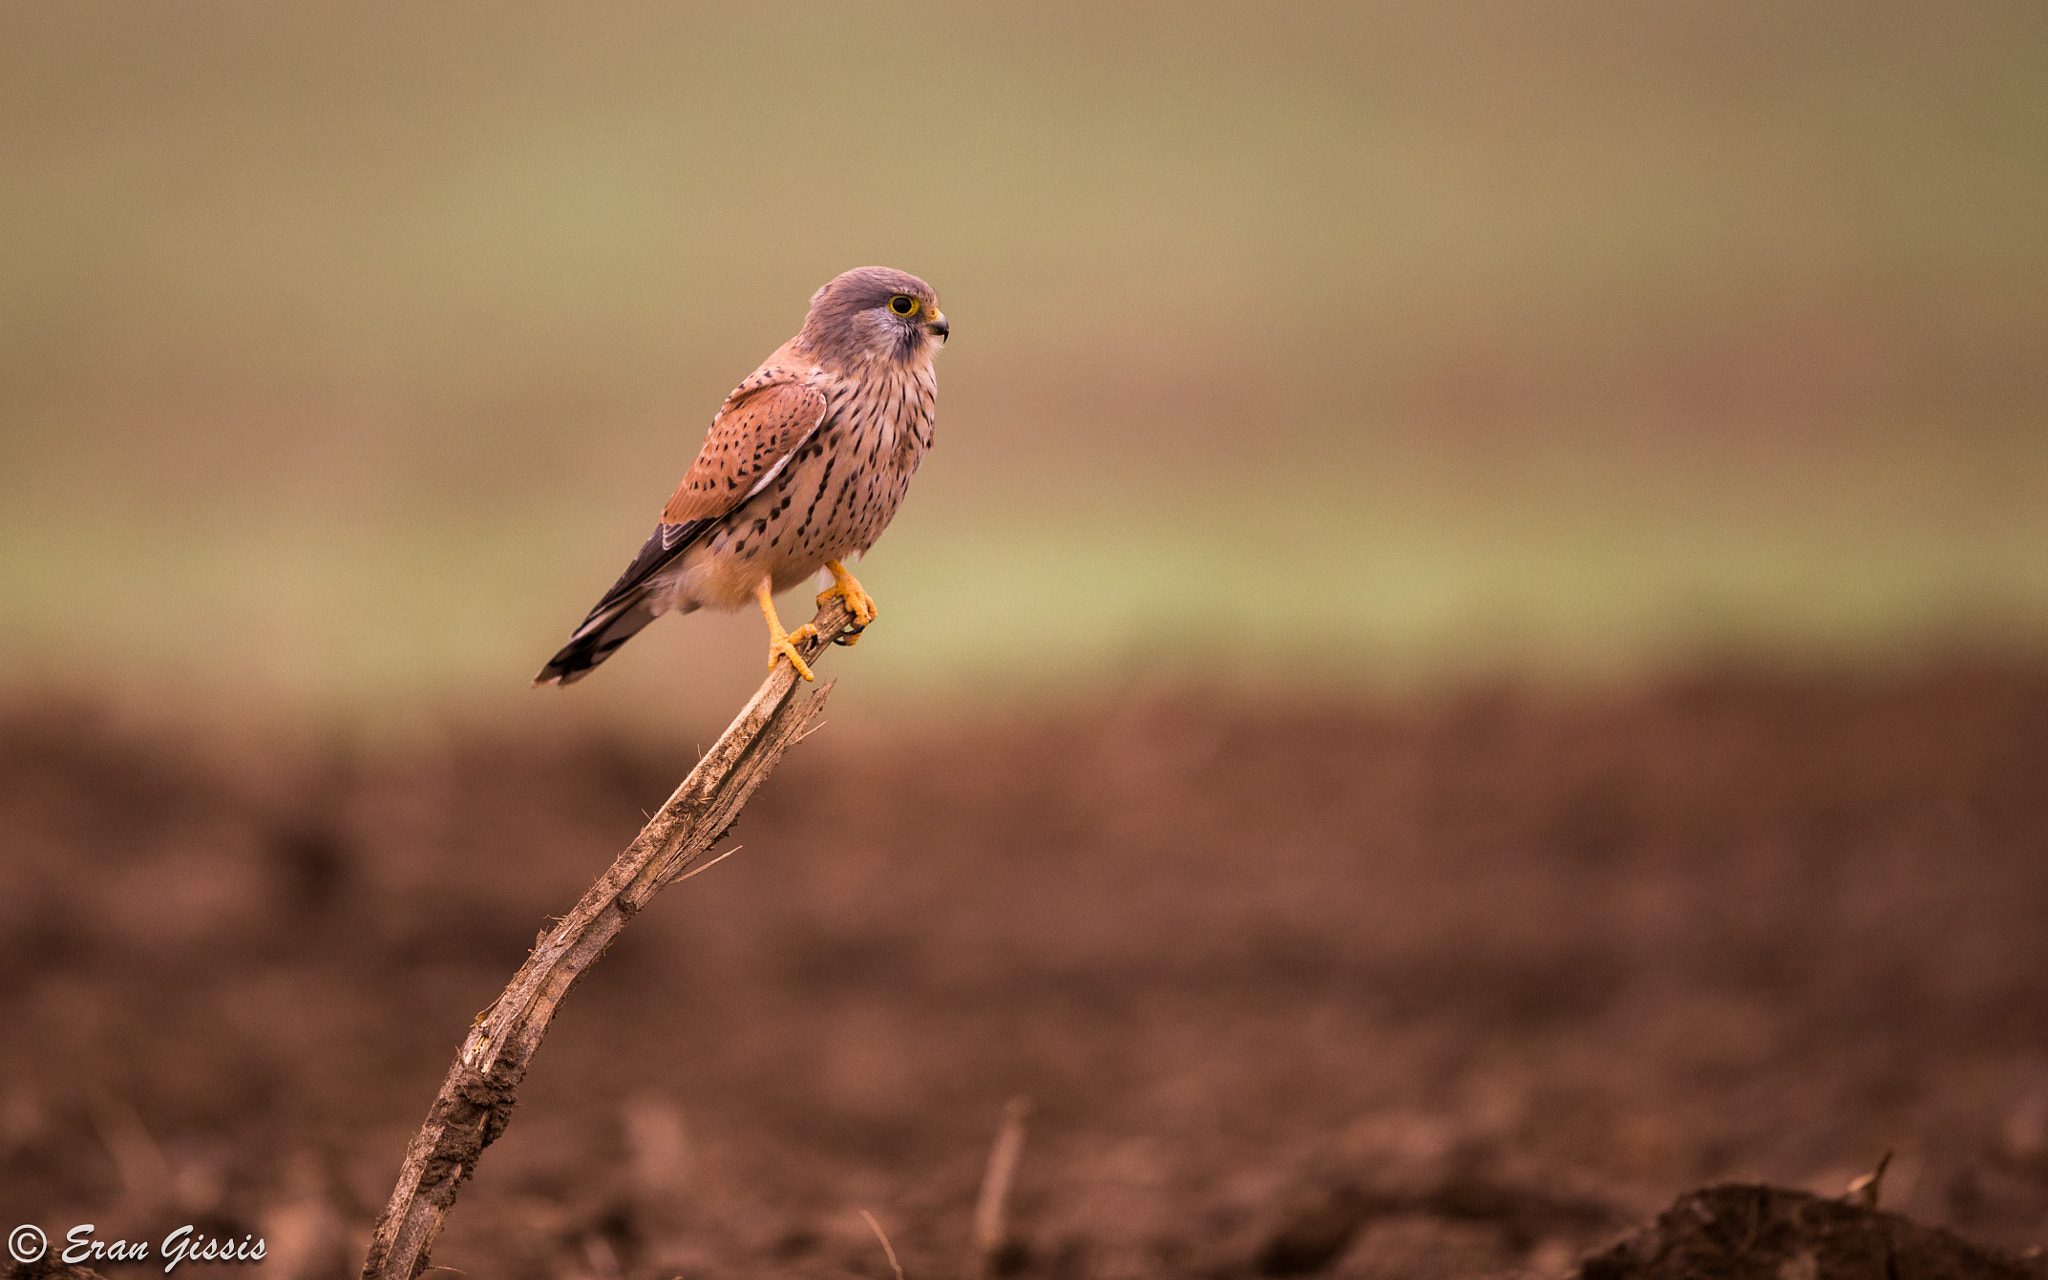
(903, 305)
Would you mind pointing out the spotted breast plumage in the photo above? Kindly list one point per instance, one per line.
(802, 470)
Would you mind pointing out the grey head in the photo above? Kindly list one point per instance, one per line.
(874, 313)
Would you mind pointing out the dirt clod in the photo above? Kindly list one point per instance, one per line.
(1737, 1231)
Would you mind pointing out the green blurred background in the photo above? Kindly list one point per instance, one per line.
(347, 352)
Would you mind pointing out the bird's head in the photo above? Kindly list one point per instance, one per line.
(875, 313)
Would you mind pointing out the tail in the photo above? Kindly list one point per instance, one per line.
(627, 607)
(597, 639)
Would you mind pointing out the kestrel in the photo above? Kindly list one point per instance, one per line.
(803, 468)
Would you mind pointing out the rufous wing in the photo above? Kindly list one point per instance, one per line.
(761, 422)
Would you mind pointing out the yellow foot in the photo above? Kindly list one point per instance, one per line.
(858, 602)
(782, 644)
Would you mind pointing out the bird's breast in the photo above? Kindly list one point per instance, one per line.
(832, 498)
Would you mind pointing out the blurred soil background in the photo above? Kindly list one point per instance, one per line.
(1455, 988)
(1472, 654)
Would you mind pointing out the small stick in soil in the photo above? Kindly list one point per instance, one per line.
(991, 1210)
(476, 1099)
(887, 1249)
(1866, 1189)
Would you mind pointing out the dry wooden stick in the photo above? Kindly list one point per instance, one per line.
(476, 1099)
(991, 1209)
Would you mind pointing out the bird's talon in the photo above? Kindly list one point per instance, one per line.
(847, 587)
(783, 645)
(858, 602)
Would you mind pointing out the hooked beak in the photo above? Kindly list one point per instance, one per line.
(937, 326)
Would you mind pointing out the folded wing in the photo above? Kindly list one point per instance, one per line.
(762, 423)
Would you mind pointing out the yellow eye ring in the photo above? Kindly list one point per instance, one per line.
(903, 305)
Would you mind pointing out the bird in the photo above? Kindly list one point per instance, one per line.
(801, 471)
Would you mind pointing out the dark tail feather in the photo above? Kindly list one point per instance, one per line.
(597, 639)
